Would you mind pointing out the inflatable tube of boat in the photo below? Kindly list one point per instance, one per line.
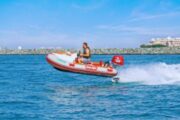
(65, 62)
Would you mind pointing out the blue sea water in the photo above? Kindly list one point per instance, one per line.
(149, 88)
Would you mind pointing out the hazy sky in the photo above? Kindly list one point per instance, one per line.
(102, 23)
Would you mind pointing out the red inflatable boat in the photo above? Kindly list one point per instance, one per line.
(65, 61)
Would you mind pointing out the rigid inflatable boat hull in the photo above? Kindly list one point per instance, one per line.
(64, 62)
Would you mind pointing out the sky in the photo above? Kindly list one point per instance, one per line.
(101, 23)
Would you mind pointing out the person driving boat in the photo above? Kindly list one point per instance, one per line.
(86, 55)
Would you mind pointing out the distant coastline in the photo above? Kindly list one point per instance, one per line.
(131, 51)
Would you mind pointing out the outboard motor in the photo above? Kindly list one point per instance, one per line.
(118, 60)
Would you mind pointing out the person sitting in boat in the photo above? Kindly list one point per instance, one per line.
(86, 55)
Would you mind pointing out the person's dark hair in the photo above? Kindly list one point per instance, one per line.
(85, 43)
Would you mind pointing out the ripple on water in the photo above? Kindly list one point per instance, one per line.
(32, 89)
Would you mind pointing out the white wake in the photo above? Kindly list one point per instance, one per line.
(151, 74)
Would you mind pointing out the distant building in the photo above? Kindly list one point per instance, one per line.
(169, 42)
